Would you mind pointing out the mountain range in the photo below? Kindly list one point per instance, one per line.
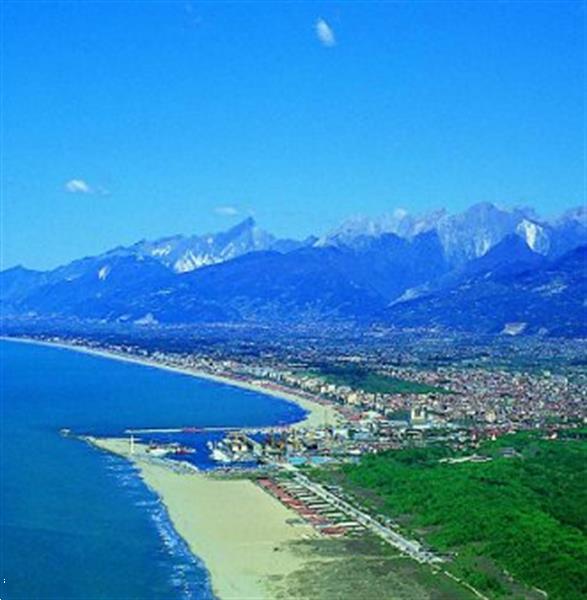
(487, 269)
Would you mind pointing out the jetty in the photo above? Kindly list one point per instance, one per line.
(220, 429)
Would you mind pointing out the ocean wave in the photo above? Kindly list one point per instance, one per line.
(146, 503)
(187, 573)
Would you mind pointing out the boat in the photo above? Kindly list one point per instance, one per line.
(183, 450)
(233, 448)
(176, 449)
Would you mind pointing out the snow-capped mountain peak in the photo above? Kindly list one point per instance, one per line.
(534, 235)
(183, 254)
(399, 222)
(103, 272)
(468, 235)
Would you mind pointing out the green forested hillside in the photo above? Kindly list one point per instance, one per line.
(525, 513)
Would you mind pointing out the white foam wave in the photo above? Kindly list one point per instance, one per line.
(188, 574)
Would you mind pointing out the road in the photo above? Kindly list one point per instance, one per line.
(409, 547)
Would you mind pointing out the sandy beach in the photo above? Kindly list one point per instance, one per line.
(316, 414)
(240, 532)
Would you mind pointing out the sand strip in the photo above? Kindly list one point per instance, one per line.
(239, 531)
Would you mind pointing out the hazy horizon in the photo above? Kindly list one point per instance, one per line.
(235, 220)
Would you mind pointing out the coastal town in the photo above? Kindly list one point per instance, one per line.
(354, 408)
(394, 407)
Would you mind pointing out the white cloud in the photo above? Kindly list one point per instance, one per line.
(226, 211)
(325, 33)
(78, 186)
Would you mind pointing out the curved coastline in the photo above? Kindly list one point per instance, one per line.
(245, 546)
(316, 413)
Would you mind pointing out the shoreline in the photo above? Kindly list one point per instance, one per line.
(246, 540)
(251, 545)
(246, 546)
(317, 414)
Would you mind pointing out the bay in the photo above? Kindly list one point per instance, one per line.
(80, 524)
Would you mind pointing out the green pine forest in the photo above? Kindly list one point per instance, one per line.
(524, 513)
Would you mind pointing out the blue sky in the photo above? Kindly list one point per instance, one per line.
(134, 120)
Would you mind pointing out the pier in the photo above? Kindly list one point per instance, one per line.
(218, 429)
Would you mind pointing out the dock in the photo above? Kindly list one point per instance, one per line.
(218, 429)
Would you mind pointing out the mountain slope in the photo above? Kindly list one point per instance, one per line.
(124, 288)
(183, 254)
(305, 284)
(17, 283)
(471, 234)
(549, 299)
(471, 271)
(510, 256)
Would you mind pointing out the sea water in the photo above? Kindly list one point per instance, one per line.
(77, 522)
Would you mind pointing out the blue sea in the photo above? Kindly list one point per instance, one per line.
(80, 523)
